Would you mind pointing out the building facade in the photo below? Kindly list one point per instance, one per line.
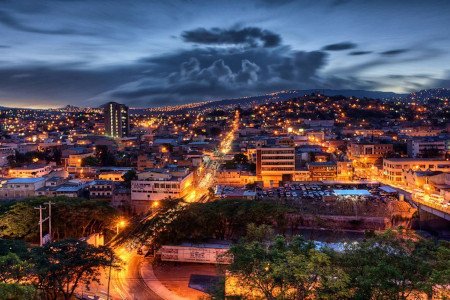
(117, 123)
(275, 164)
(394, 168)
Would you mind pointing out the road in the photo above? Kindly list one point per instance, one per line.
(127, 283)
(200, 192)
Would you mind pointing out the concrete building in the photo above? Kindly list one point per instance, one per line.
(275, 164)
(30, 171)
(117, 123)
(76, 160)
(426, 147)
(368, 152)
(159, 184)
(322, 170)
(393, 168)
(101, 189)
(235, 177)
(18, 188)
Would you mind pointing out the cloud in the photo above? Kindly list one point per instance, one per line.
(9, 20)
(177, 77)
(394, 52)
(357, 53)
(247, 36)
(339, 46)
(215, 73)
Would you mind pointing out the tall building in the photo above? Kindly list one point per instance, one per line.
(117, 122)
(275, 164)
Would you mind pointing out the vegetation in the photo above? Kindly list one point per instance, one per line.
(224, 220)
(392, 265)
(71, 218)
(53, 271)
(60, 267)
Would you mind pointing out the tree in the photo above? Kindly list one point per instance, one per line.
(14, 291)
(72, 218)
(61, 267)
(90, 161)
(279, 269)
(389, 266)
(105, 156)
(128, 177)
(13, 269)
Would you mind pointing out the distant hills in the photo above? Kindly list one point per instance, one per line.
(284, 95)
(422, 95)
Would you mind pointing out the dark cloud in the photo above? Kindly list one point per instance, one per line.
(213, 73)
(248, 36)
(9, 20)
(178, 77)
(394, 52)
(340, 46)
(356, 53)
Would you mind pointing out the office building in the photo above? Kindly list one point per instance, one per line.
(275, 164)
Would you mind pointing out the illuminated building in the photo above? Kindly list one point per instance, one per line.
(275, 164)
(393, 168)
(31, 171)
(426, 147)
(117, 122)
(159, 184)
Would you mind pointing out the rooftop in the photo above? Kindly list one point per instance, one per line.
(25, 180)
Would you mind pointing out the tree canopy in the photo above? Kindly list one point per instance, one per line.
(71, 217)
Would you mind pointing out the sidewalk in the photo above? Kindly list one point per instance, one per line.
(150, 279)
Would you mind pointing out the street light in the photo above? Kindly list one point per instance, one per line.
(120, 224)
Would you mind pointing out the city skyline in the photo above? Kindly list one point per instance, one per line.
(155, 54)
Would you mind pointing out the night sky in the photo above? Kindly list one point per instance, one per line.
(153, 53)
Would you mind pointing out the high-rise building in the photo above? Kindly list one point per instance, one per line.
(117, 122)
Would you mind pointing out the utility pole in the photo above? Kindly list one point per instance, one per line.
(50, 203)
(41, 221)
(41, 241)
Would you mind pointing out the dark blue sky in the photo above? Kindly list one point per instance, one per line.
(151, 53)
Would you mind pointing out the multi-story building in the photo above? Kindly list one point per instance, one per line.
(117, 123)
(426, 147)
(344, 170)
(76, 160)
(101, 189)
(20, 187)
(30, 171)
(322, 170)
(159, 184)
(235, 177)
(275, 164)
(369, 152)
(394, 168)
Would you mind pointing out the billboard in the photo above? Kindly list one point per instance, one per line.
(209, 254)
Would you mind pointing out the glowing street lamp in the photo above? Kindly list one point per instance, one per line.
(120, 224)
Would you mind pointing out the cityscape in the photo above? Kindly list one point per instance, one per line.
(231, 163)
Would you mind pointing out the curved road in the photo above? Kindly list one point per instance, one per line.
(126, 284)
